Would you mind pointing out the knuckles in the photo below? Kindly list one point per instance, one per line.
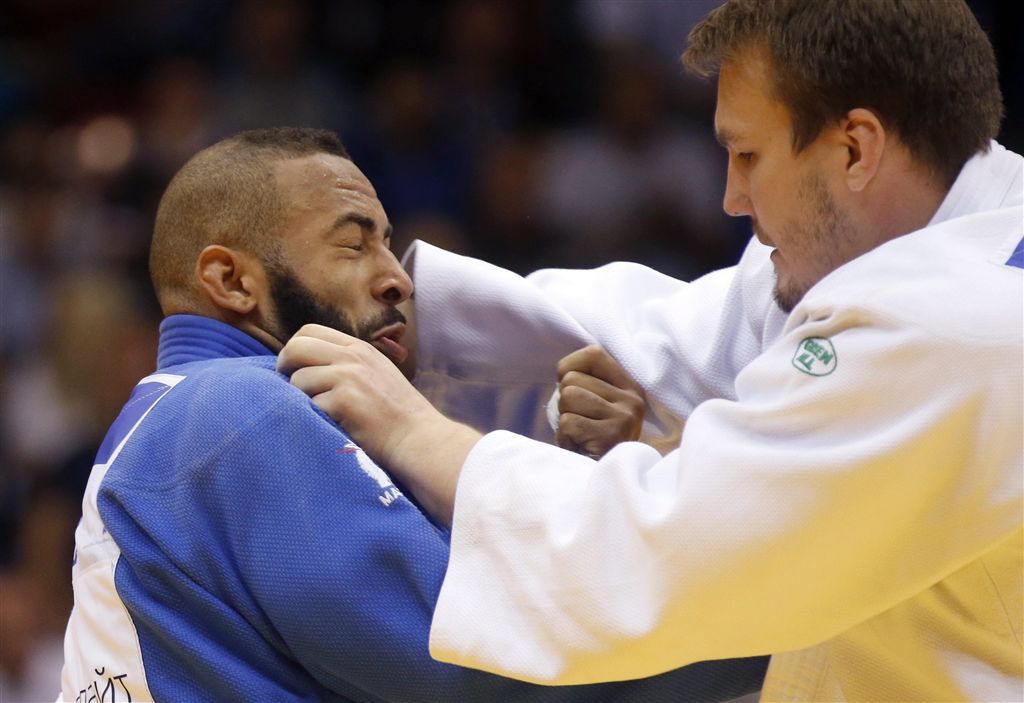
(579, 360)
(636, 403)
(570, 396)
(568, 423)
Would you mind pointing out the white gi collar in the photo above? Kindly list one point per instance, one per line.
(988, 181)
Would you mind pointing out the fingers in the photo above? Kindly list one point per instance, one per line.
(315, 380)
(595, 416)
(599, 404)
(595, 399)
(580, 360)
(328, 334)
(590, 396)
(315, 345)
(586, 435)
(598, 431)
(594, 361)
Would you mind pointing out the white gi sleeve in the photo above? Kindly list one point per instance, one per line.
(487, 342)
(818, 498)
(487, 337)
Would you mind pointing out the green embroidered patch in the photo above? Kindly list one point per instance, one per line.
(815, 356)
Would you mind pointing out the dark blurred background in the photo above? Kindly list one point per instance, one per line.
(530, 133)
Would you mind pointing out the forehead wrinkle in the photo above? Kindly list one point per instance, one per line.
(349, 183)
(357, 197)
(360, 200)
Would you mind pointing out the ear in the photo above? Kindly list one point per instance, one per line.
(232, 280)
(865, 138)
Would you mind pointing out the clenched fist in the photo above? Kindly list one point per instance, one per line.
(599, 404)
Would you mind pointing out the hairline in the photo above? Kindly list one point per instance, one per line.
(253, 156)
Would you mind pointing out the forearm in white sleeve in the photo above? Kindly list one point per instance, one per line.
(481, 327)
(810, 504)
(683, 343)
(488, 342)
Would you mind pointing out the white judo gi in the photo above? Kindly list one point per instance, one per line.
(847, 494)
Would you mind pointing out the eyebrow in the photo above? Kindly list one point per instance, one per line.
(725, 136)
(363, 221)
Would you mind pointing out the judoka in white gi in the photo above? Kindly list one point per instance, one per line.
(847, 493)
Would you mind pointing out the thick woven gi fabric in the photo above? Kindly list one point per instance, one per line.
(847, 493)
(236, 546)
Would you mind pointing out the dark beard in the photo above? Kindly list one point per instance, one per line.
(296, 305)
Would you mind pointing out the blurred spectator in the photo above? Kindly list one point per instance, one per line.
(26, 213)
(56, 406)
(478, 75)
(438, 230)
(272, 78)
(636, 183)
(417, 161)
(507, 227)
(659, 26)
(30, 655)
(174, 113)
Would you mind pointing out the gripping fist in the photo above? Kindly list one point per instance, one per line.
(599, 404)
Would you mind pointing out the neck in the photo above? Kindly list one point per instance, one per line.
(250, 323)
(266, 338)
(902, 199)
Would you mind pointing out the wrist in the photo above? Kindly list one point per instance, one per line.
(428, 456)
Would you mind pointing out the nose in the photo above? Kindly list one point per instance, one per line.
(736, 202)
(393, 285)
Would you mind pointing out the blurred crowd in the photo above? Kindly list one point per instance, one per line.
(530, 133)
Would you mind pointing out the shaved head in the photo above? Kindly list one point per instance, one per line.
(225, 195)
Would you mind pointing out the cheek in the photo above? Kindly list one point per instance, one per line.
(342, 294)
(764, 201)
(775, 200)
(348, 288)
(763, 185)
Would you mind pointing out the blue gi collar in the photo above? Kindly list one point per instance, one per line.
(185, 338)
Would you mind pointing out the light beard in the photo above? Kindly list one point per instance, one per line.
(828, 232)
(296, 305)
